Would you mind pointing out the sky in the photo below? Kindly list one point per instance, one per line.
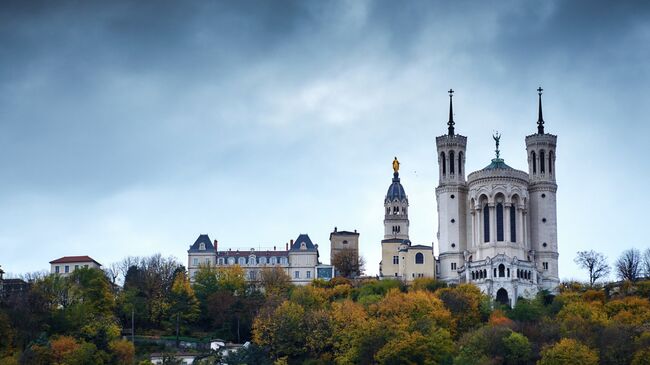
(129, 128)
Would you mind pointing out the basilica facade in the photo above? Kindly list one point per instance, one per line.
(497, 227)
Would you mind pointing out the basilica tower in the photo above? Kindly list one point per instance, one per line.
(451, 198)
(541, 149)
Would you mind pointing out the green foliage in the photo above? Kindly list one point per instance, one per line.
(568, 352)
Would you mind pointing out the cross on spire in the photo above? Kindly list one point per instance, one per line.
(540, 118)
(451, 113)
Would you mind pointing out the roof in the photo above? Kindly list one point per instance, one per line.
(345, 233)
(498, 163)
(203, 238)
(422, 247)
(73, 259)
(396, 240)
(396, 190)
(303, 238)
(247, 253)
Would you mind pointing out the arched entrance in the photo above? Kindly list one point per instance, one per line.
(502, 297)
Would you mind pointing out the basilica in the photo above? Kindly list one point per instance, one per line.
(497, 227)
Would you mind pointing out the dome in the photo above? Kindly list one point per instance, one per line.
(396, 190)
(498, 163)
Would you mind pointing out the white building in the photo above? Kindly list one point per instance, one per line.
(65, 265)
(299, 259)
(498, 228)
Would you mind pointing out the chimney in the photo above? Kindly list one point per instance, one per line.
(273, 248)
(335, 229)
(286, 246)
(216, 245)
(355, 231)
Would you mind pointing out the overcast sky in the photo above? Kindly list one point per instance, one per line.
(129, 128)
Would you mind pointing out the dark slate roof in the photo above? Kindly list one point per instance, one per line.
(202, 239)
(498, 163)
(266, 253)
(302, 238)
(396, 190)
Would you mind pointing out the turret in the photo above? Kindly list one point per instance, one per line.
(396, 219)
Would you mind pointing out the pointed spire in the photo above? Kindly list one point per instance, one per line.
(451, 113)
(540, 118)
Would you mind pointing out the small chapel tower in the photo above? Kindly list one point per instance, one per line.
(541, 149)
(396, 217)
(451, 196)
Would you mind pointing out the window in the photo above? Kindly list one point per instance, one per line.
(502, 270)
(460, 163)
(252, 275)
(67, 268)
(453, 266)
(202, 246)
(242, 261)
(419, 258)
(550, 162)
(274, 260)
(252, 260)
(56, 269)
(296, 274)
(395, 260)
(231, 260)
(86, 266)
(207, 261)
(283, 260)
(533, 156)
(262, 260)
(221, 261)
(443, 159)
(76, 267)
(396, 229)
(541, 162)
(345, 242)
(195, 261)
(499, 222)
(545, 265)
(308, 274)
(451, 162)
(513, 224)
(486, 223)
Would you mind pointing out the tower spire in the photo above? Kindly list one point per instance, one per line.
(540, 118)
(451, 113)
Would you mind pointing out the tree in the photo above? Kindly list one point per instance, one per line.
(184, 307)
(275, 280)
(283, 331)
(348, 263)
(570, 352)
(416, 348)
(628, 265)
(595, 263)
(645, 263)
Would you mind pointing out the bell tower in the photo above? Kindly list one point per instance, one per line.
(451, 197)
(542, 189)
(396, 217)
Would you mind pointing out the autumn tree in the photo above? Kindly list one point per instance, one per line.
(628, 265)
(275, 280)
(184, 307)
(645, 263)
(568, 352)
(283, 331)
(595, 263)
(348, 263)
(415, 348)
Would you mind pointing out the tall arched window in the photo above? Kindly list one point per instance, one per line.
(443, 160)
(502, 271)
(460, 163)
(486, 223)
(499, 222)
(550, 162)
(451, 162)
(242, 261)
(419, 258)
(513, 224)
(534, 158)
(541, 162)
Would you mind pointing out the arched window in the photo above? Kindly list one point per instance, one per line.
(460, 163)
(242, 261)
(451, 162)
(513, 223)
(541, 162)
(273, 260)
(495, 272)
(534, 158)
(202, 246)
(508, 269)
(262, 260)
(486, 223)
(499, 222)
(419, 258)
(502, 270)
(443, 159)
(550, 162)
(473, 276)
(484, 274)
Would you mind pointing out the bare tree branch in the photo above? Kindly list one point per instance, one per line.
(628, 265)
(595, 263)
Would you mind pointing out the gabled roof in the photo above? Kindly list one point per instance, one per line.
(197, 244)
(298, 243)
(74, 259)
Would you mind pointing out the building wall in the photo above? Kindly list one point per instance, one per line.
(72, 266)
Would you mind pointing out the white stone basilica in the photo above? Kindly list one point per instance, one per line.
(497, 228)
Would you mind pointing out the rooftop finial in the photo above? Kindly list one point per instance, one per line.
(540, 118)
(451, 113)
(497, 137)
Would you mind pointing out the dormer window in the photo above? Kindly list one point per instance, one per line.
(303, 246)
(201, 246)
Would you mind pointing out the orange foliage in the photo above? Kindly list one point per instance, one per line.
(499, 319)
(62, 347)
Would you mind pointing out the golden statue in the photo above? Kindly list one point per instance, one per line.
(395, 165)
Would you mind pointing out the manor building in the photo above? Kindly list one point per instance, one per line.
(497, 227)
